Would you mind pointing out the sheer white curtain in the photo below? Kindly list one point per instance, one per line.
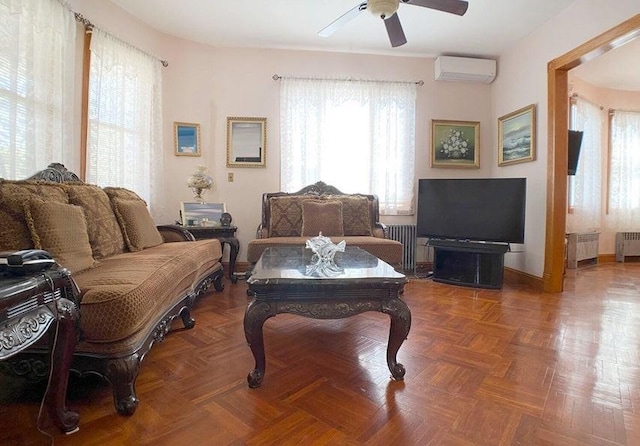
(586, 186)
(37, 49)
(358, 136)
(125, 125)
(624, 181)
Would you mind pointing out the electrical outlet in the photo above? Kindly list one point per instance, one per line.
(230, 177)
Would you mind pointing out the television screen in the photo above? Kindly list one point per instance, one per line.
(575, 141)
(487, 209)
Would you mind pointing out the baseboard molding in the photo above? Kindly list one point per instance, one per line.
(513, 276)
(241, 267)
(606, 258)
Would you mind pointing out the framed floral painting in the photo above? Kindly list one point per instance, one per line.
(455, 144)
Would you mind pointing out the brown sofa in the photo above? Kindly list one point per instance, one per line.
(290, 219)
(134, 278)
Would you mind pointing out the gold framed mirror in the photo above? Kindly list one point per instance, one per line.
(246, 142)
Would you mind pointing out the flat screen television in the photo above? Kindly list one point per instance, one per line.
(484, 209)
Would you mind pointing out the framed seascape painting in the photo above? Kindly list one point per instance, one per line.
(517, 136)
(187, 139)
(455, 144)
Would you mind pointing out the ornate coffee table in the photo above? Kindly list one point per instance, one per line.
(279, 284)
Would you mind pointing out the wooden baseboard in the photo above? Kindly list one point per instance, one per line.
(513, 276)
(606, 258)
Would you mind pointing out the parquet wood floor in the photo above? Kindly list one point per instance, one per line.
(484, 367)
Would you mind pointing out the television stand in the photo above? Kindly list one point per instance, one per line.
(467, 263)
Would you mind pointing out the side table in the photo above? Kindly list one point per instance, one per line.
(226, 235)
(29, 306)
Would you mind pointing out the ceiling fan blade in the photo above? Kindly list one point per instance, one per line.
(394, 29)
(342, 20)
(458, 7)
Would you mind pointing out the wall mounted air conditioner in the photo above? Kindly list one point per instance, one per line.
(465, 69)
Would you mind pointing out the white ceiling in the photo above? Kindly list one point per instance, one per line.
(486, 30)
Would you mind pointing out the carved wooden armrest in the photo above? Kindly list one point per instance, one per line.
(175, 233)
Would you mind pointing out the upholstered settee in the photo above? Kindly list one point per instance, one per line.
(134, 278)
(290, 219)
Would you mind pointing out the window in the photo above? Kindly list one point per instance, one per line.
(358, 136)
(37, 43)
(585, 188)
(624, 181)
(124, 146)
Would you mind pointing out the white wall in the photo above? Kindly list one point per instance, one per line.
(522, 80)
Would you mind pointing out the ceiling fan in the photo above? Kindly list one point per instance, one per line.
(387, 11)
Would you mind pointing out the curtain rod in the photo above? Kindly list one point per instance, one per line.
(614, 110)
(277, 77)
(89, 26)
(576, 95)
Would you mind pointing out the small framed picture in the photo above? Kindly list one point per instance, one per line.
(201, 214)
(455, 144)
(187, 139)
(517, 136)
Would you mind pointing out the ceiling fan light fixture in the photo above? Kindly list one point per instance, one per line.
(383, 8)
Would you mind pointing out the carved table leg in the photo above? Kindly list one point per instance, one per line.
(400, 325)
(55, 399)
(234, 244)
(256, 314)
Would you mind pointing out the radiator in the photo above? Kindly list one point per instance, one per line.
(405, 234)
(582, 247)
(627, 244)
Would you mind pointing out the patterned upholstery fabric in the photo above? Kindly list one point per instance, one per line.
(126, 291)
(322, 216)
(356, 214)
(121, 193)
(286, 216)
(61, 230)
(14, 233)
(390, 251)
(138, 227)
(105, 234)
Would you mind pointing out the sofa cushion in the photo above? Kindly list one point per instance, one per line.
(61, 230)
(356, 214)
(285, 216)
(137, 226)
(387, 250)
(322, 216)
(14, 233)
(121, 295)
(104, 231)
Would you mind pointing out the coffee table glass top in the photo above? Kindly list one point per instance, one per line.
(290, 263)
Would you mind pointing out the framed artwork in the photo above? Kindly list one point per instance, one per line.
(517, 136)
(246, 142)
(455, 144)
(187, 139)
(201, 214)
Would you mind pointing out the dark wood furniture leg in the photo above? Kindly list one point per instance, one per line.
(256, 314)
(55, 398)
(400, 325)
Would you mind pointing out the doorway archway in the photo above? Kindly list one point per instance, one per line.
(558, 124)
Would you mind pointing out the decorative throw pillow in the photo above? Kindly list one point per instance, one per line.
(136, 223)
(60, 229)
(285, 216)
(104, 231)
(322, 216)
(356, 215)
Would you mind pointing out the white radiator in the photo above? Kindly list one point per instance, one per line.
(627, 244)
(405, 234)
(582, 247)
